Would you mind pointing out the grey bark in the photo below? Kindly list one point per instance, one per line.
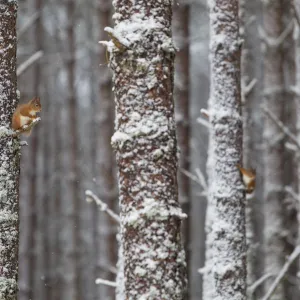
(273, 150)
(145, 143)
(248, 62)
(105, 162)
(225, 266)
(181, 95)
(9, 155)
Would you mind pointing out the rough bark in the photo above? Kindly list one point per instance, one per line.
(273, 150)
(142, 59)
(181, 94)
(248, 61)
(225, 268)
(9, 154)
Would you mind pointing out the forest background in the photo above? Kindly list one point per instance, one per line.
(66, 243)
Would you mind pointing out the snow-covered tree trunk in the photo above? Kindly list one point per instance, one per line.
(273, 142)
(9, 154)
(142, 58)
(225, 268)
(181, 92)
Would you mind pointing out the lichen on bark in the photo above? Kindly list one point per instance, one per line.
(9, 155)
(225, 267)
(142, 58)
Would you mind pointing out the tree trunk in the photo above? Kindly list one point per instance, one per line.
(105, 163)
(249, 94)
(225, 269)
(143, 62)
(273, 149)
(181, 93)
(10, 154)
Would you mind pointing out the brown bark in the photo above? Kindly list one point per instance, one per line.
(181, 93)
(142, 59)
(273, 150)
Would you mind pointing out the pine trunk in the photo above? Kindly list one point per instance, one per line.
(225, 269)
(143, 62)
(181, 93)
(9, 154)
(273, 149)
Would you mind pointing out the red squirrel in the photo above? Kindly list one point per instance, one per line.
(25, 114)
(248, 179)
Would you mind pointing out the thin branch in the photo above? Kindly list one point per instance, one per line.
(31, 20)
(258, 282)
(5, 132)
(198, 178)
(296, 14)
(30, 61)
(204, 112)
(285, 129)
(204, 122)
(289, 190)
(276, 42)
(26, 127)
(282, 273)
(249, 87)
(90, 196)
(106, 282)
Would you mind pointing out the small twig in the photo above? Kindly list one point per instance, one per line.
(276, 42)
(282, 273)
(106, 282)
(31, 20)
(204, 112)
(204, 122)
(296, 15)
(5, 132)
(258, 282)
(285, 129)
(90, 196)
(26, 127)
(249, 87)
(30, 61)
(196, 178)
(291, 192)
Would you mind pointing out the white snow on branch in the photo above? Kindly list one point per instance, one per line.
(284, 128)
(90, 196)
(282, 273)
(106, 282)
(29, 62)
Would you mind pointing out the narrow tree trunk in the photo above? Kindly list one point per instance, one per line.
(248, 97)
(9, 154)
(225, 269)
(145, 142)
(273, 149)
(181, 93)
(104, 158)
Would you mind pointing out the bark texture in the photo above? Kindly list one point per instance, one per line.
(274, 146)
(181, 92)
(225, 269)
(249, 94)
(105, 166)
(142, 58)
(9, 154)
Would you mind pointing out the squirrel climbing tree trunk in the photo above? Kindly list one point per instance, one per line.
(225, 266)
(9, 154)
(142, 58)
